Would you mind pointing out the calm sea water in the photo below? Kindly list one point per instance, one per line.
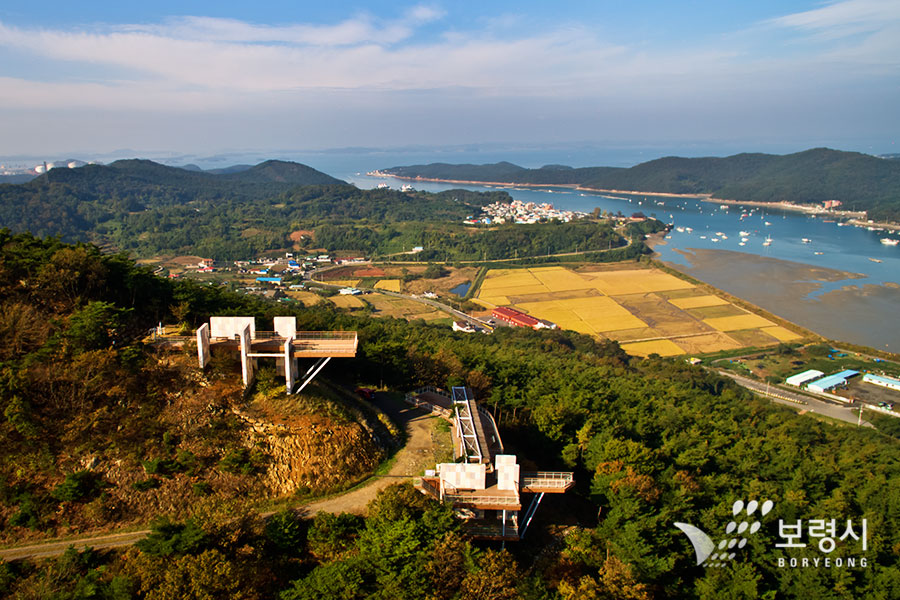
(861, 309)
(857, 309)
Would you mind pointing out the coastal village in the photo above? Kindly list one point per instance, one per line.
(522, 213)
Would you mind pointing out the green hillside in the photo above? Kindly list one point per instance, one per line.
(147, 208)
(860, 181)
(99, 429)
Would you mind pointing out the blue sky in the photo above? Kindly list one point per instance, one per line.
(223, 76)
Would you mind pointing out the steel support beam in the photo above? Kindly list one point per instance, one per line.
(314, 370)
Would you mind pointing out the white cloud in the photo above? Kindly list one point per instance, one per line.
(845, 17)
(376, 66)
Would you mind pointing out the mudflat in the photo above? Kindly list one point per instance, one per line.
(863, 314)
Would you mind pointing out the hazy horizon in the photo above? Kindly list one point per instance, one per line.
(228, 77)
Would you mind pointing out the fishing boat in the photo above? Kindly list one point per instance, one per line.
(742, 243)
(714, 240)
(767, 223)
(724, 237)
(689, 229)
(889, 242)
(679, 229)
(767, 243)
(878, 260)
(745, 234)
(805, 240)
(818, 253)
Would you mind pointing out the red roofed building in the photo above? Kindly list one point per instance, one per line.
(520, 319)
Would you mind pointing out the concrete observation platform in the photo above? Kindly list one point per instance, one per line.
(285, 344)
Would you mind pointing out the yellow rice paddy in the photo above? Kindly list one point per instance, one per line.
(345, 282)
(595, 302)
(391, 285)
(661, 347)
(347, 302)
(747, 321)
(781, 334)
(698, 301)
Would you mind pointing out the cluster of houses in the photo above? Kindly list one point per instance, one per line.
(522, 213)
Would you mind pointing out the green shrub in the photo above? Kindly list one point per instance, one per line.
(80, 485)
(161, 466)
(146, 484)
(201, 488)
(169, 537)
(241, 462)
(27, 515)
(286, 531)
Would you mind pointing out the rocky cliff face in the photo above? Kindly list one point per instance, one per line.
(311, 453)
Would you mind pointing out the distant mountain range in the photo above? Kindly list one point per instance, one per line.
(97, 201)
(147, 208)
(859, 181)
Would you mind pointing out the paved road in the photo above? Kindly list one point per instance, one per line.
(55, 548)
(799, 401)
(411, 460)
(416, 456)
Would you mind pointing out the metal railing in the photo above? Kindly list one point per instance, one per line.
(413, 399)
(482, 499)
(490, 417)
(547, 479)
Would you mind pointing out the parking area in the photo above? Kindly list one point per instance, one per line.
(870, 393)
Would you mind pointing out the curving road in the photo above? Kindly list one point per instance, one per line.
(411, 460)
(798, 401)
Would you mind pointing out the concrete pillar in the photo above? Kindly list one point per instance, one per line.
(290, 374)
(246, 362)
(203, 345)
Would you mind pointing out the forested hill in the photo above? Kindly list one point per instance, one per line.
(147, 208)
(860, 181)
(100, 430)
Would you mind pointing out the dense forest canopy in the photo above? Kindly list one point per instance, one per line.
(147, 208)
(860, 181)
(652, 442)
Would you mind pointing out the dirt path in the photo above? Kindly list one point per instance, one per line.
(411, 460)
(416, 456)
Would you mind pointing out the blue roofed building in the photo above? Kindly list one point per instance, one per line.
(888, 382)
(832, 381)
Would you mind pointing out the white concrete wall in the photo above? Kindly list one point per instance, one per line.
(228, 327)
(463, 476)
(203, 345)
(286, 327)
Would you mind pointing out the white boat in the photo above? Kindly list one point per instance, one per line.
(723, 206)
(767, 243)
(714, 240)
(745, 234)
(818, 253)
(724, 237)
(702, 237)
(742, 244)
(805, 240)
(679, 229)
(875, 260)
(719, 233)
(889, 242)
(767, 223)
(689, 229)
(745, 239)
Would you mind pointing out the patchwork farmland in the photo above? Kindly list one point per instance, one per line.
(646, 310)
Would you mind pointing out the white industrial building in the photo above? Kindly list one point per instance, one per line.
(801, 378)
